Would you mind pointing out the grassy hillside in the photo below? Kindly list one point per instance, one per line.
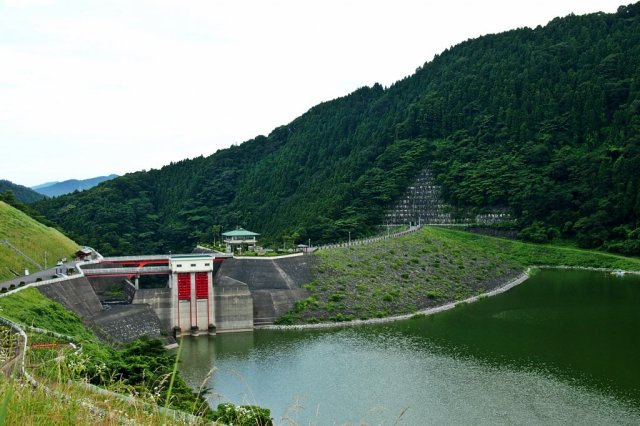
(32, 238)
(424, 269)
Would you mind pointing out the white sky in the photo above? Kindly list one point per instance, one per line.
(89, 88)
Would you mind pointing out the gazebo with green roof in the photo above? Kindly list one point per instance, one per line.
(237, 238)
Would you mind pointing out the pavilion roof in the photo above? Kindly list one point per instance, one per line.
(240, 232)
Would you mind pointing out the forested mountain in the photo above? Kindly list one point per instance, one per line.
(54, 189)
(544, 122)
(21, 193)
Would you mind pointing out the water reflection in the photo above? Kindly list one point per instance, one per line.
(560, 348)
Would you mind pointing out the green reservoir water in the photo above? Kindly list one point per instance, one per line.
(561, 348)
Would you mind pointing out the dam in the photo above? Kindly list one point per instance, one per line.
(206, 293)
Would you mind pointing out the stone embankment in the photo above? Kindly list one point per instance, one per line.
(501, 289)
(422, 203)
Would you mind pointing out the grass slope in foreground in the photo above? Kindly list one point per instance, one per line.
(425, 269)
(142, 368)
(32, 238)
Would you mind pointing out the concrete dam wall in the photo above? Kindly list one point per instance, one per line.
(121, 324)
(240, 294)
(275, 284)
(245, 292)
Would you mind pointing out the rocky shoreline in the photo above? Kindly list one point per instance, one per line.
(429, 311)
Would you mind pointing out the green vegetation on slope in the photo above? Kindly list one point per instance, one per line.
(22, 193)
(544, 122)
(528, 254)
(424, 269)
(140, 367)
(32, 238)
(28, 406)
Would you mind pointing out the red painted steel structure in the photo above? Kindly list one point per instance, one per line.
(184, 286)
(184, 293)
(202, 292)
(202, 285)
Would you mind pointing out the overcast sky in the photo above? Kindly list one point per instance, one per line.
(89, 88)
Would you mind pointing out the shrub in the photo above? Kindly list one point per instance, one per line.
(243, 415)
(336, 297)
(434, 295)
(12, 287)
(339, 317)
(285, 319)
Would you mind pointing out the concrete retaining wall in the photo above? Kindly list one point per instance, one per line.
(118, 324)
(233, 305)
(75, 294)
(160, 300)
(274, 284)
(128, 322)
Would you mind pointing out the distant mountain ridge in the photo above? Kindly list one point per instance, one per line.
(22, 193)
(44, 185)
(54, 189)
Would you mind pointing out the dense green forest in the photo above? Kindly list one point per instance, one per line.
(544, 122)
(21, 193)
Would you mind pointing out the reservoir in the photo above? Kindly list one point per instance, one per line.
(561, 348)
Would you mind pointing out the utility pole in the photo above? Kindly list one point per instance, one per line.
(45, 259)
(349, 237)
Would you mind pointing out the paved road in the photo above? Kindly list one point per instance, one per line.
(46, 274)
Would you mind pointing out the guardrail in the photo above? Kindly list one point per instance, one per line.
(23, 350)
(144, 270)
(362, 241)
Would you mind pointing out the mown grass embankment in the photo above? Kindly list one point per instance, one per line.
(428, 268)
(32, 238)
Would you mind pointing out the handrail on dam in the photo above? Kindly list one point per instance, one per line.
(136, 258)
(148, 270)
